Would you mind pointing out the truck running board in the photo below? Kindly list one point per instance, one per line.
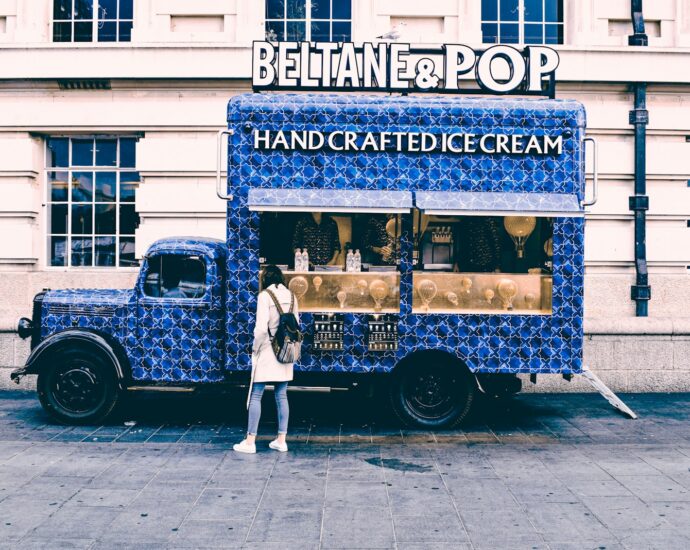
(187, 389)
(606, 393)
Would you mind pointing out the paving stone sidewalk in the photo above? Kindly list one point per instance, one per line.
(542, 471)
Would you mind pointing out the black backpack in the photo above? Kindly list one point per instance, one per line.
(287, 341)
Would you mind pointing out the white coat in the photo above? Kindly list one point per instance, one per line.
(265, 366)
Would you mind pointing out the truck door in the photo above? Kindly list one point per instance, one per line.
(179, 319)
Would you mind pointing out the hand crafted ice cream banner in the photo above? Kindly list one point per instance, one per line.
(390, 67)
(408, 142)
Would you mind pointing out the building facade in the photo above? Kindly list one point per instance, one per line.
(110, 110)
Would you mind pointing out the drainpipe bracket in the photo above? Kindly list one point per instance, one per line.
(638, 40)
(641, 292)
(638, 203)
(638, 116)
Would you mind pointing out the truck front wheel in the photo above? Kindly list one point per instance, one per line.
(432, 393)
(78, 387)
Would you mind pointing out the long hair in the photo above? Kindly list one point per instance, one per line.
(272, 275)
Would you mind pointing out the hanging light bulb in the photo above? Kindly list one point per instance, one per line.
(507, 290)
(317, 282)
(298, 285)
(520, 228)
(378, 290)
(427, 291)
(342, 296)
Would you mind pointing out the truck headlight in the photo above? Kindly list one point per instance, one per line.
(25, 328)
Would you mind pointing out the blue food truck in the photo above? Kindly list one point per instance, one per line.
(434, 243)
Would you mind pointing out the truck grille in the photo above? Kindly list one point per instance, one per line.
(36, 319)
(69, 309)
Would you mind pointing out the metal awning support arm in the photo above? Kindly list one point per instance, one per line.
(219, 162)
(606, 392)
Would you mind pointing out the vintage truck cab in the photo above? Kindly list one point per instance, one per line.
(87, 346)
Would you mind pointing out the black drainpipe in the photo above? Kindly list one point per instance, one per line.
(641, 292)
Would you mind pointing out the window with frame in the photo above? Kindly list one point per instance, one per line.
(93, 20)
(175, 276)
(522, 21)
(314, 20)
(92, 183)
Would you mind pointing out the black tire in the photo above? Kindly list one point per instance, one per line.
(433, 391)
(78, 387)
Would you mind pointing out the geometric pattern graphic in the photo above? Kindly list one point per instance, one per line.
(329, 199)
(201, 339)
(480, 202)
(486, 342)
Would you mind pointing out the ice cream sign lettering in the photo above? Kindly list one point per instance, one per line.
(391, 67)
(407, 142)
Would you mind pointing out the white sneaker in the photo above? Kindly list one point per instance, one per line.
(244, 447)
(276, 446)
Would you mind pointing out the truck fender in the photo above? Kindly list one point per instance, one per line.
(34, 363)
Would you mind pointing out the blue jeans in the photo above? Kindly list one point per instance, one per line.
(255, 406)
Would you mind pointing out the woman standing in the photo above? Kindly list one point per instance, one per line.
(265, 367)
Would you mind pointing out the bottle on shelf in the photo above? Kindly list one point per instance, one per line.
(350, 261)
(358, 261)
(305, 260)
(298, 259)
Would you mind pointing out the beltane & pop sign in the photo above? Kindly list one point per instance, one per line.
(396, 67)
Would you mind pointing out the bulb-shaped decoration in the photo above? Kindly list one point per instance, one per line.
(489, 295)
(530, 300)
(342, 296)
(520, 228)
(452, 298)
(507, 290)
(426, 288)
(317, 282)
(378, 290)
(299, 286)
(393, 228)
(362, 286)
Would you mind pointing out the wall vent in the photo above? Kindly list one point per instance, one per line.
(91, 84)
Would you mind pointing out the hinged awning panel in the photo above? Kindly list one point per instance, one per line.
(329, 200)
(475, 203)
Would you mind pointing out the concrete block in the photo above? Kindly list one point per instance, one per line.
(681, 352)
(644, 353)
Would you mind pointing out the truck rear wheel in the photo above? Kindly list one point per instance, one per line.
(433, 391)
(78, 387)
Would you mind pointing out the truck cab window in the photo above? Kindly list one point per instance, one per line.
(175, 276)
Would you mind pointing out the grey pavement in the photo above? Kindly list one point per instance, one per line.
(539, 471)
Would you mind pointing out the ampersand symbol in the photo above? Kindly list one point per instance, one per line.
(425, 78)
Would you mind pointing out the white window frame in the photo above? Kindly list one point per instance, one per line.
(308, 20)
(521, 23)
(95, 20)
(47, 233)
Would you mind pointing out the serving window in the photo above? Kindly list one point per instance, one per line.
(338, 249)
(468, 263)
(330, 280)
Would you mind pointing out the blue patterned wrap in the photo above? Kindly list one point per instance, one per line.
(486, 342)
(488, 203)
